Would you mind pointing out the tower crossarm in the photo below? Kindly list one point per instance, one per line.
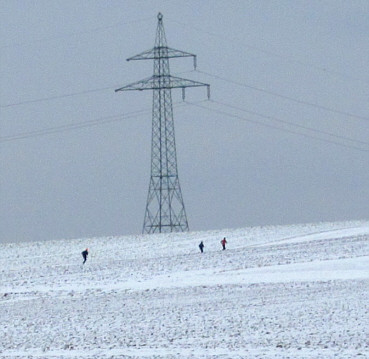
(163, 82)
(162, 52)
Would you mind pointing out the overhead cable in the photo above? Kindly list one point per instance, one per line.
(79, 125)
(220, 112)
(272, 118)
(275, 54)
(57, 97)
(62, 36)
(71, 94)
(71, 126)
(303, 102)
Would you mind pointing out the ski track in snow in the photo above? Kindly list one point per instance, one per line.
(296, 291)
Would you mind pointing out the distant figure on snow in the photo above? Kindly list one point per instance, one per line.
(223, 241)
(201, 246)
(84, 255)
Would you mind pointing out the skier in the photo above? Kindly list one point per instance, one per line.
(84, 255)
(201, 246)
(223, 241)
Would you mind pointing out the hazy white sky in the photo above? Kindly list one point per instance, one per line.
(284, 139)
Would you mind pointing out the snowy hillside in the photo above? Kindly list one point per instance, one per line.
(276, 292)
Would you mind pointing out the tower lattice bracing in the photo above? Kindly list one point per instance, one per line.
(165, 210)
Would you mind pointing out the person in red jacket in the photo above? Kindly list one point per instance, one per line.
(223, 241)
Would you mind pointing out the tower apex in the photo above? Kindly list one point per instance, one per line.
(160, 16)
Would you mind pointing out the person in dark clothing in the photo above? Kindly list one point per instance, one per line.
(223, 241)
(201, 246)
(84, 255)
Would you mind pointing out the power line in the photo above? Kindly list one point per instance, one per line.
(72, 126)
(279, 128)
(120, 117)
(93, 30)
(303, 102)
(293, 124)
(272, 53)
(42, 99)
(79, 125)
(49, 98)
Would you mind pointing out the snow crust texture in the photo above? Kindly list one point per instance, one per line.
(297, 291)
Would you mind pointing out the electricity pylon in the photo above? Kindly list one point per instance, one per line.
(165, 210)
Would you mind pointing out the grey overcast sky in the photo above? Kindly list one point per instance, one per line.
(284, 139)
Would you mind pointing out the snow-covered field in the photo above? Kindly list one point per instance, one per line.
(277, 292)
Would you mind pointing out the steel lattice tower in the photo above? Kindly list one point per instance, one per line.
(165, 210)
